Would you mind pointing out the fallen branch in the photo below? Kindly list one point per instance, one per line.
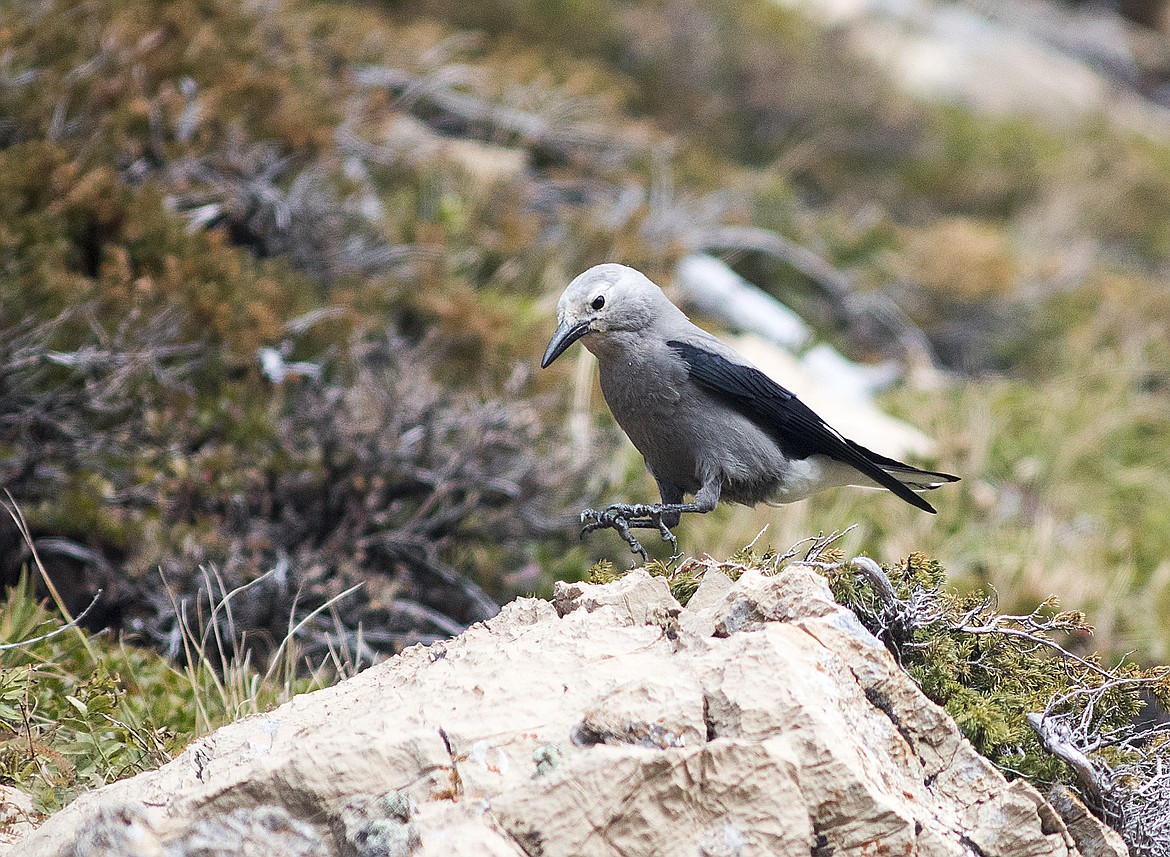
(854, 306)
(449, 91)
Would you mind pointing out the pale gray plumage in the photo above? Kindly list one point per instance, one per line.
(707, 422)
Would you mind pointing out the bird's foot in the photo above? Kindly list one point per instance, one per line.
(625, 517)
(613, 517)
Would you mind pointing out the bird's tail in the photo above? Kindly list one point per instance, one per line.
(902, 479)
(916, 479)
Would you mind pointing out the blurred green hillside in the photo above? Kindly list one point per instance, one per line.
(276, 278)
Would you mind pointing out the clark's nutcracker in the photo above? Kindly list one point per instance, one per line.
(707, 422)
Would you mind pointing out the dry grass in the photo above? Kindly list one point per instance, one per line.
(217, 659)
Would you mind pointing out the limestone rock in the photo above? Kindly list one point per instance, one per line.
(637, 597)
(1093, 838)
(763, 720)
(17, 815)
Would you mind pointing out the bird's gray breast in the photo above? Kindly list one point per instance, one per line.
(646, 392)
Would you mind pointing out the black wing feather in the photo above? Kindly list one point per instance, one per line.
(794, 426)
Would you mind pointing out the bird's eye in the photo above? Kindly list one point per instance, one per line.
(598, 302)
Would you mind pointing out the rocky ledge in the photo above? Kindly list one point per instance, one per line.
(762, 719)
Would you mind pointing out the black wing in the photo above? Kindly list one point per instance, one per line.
(794, 426)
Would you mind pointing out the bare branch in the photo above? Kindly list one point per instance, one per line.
(535, 116)
(1131, 787)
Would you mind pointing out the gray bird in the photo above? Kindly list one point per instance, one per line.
(707, 422)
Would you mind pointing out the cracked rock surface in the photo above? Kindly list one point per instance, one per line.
(762, 720)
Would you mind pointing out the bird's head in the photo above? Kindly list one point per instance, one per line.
(605, 298)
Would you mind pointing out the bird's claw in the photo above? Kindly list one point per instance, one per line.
(615, 517)
(624, 518)
(591, 520)
(668, 536)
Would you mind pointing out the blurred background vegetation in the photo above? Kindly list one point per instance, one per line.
(275, 278)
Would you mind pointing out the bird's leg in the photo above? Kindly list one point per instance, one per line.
(652, 510)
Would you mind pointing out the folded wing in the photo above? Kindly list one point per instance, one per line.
(795, 427)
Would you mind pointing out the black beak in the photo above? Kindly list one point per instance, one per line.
(562, 339)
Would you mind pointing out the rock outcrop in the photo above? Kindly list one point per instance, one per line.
(762, 719)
